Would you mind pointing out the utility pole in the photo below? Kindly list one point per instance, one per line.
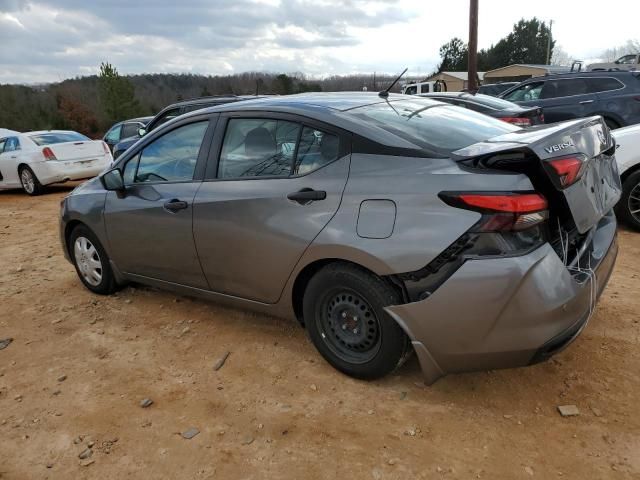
(472, 71)
(549, 43)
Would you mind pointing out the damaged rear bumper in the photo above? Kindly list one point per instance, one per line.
(508, 312)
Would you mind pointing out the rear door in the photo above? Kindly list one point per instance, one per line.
(273, 183)
(149, 225)
(566, 99)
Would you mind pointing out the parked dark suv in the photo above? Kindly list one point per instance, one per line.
(614, 95)
(172, 111)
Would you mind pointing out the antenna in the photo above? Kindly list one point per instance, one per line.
(385, 93)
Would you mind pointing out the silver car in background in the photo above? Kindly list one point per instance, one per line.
(384, 225)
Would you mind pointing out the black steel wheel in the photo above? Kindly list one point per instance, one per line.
(343, 309)
(349, 326)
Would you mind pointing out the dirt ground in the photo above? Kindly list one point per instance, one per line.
(276, 409)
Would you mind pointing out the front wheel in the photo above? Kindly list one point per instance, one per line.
(91, 261)
(344, 314)
(30, 183)
(628, 208)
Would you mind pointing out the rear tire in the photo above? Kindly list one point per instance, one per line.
(628, 208)
(344, 314)
(30, 183)
(91, 261)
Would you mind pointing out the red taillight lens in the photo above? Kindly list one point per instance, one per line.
(105, 147)
(518, 121)
(567, 169)
(502, 211)
(48, 154)
(523, 203)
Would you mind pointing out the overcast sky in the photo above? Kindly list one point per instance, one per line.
(47, 40)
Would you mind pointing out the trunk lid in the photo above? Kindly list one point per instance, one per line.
(598, 188)
(77, 151)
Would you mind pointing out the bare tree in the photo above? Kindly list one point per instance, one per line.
(612, 54)
(560, 57)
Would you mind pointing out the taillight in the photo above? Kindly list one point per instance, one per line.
(567, 170)
(48, 154)
(518, 121)
(105, 147)
(502, 211)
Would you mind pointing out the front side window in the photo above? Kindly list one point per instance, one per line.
(169, 158)
(164, 118)
(411, 90)
(258, 148)
(113, 135)
(626, 60)
(526, 93)
(131, 129)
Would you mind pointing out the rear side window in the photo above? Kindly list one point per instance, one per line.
(604, 84)
(2, 144)
(258, 148)
(316, 149)
(12, 144)
(438, 129)
(565, 88)
(51, 138)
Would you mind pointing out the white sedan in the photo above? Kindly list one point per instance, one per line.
(32, 160)
(628, 159)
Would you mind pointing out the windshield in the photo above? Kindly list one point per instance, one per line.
(51, 138)
(437, 128)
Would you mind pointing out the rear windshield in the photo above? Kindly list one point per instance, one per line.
(51, 138)
(489, 101)
(437, 128)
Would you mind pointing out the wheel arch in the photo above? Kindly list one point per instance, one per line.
(68, 230)
(308, 271)
(629, 171)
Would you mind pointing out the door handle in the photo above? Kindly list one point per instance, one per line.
(584, 102)
(174, 205)
(307, 195)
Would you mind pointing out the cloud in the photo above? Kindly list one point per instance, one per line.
(46, 40)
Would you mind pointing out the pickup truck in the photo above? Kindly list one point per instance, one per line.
(627, 63)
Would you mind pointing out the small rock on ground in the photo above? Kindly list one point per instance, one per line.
(62, 378)
(189, 434)
(568, 410)
(86, 463)
(86, 453)
(4, 343)
(147, 402)
(220, 362)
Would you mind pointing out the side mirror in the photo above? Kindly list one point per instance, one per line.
(112, 180)
(142, 132)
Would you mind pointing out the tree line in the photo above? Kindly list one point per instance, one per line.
(90, 105)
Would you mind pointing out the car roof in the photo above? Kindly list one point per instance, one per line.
(336, 101)
(210, 99)
(330, 108)
(138, 119)
(597, 73)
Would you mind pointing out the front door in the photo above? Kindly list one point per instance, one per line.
(149, 226)
(277, 185)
